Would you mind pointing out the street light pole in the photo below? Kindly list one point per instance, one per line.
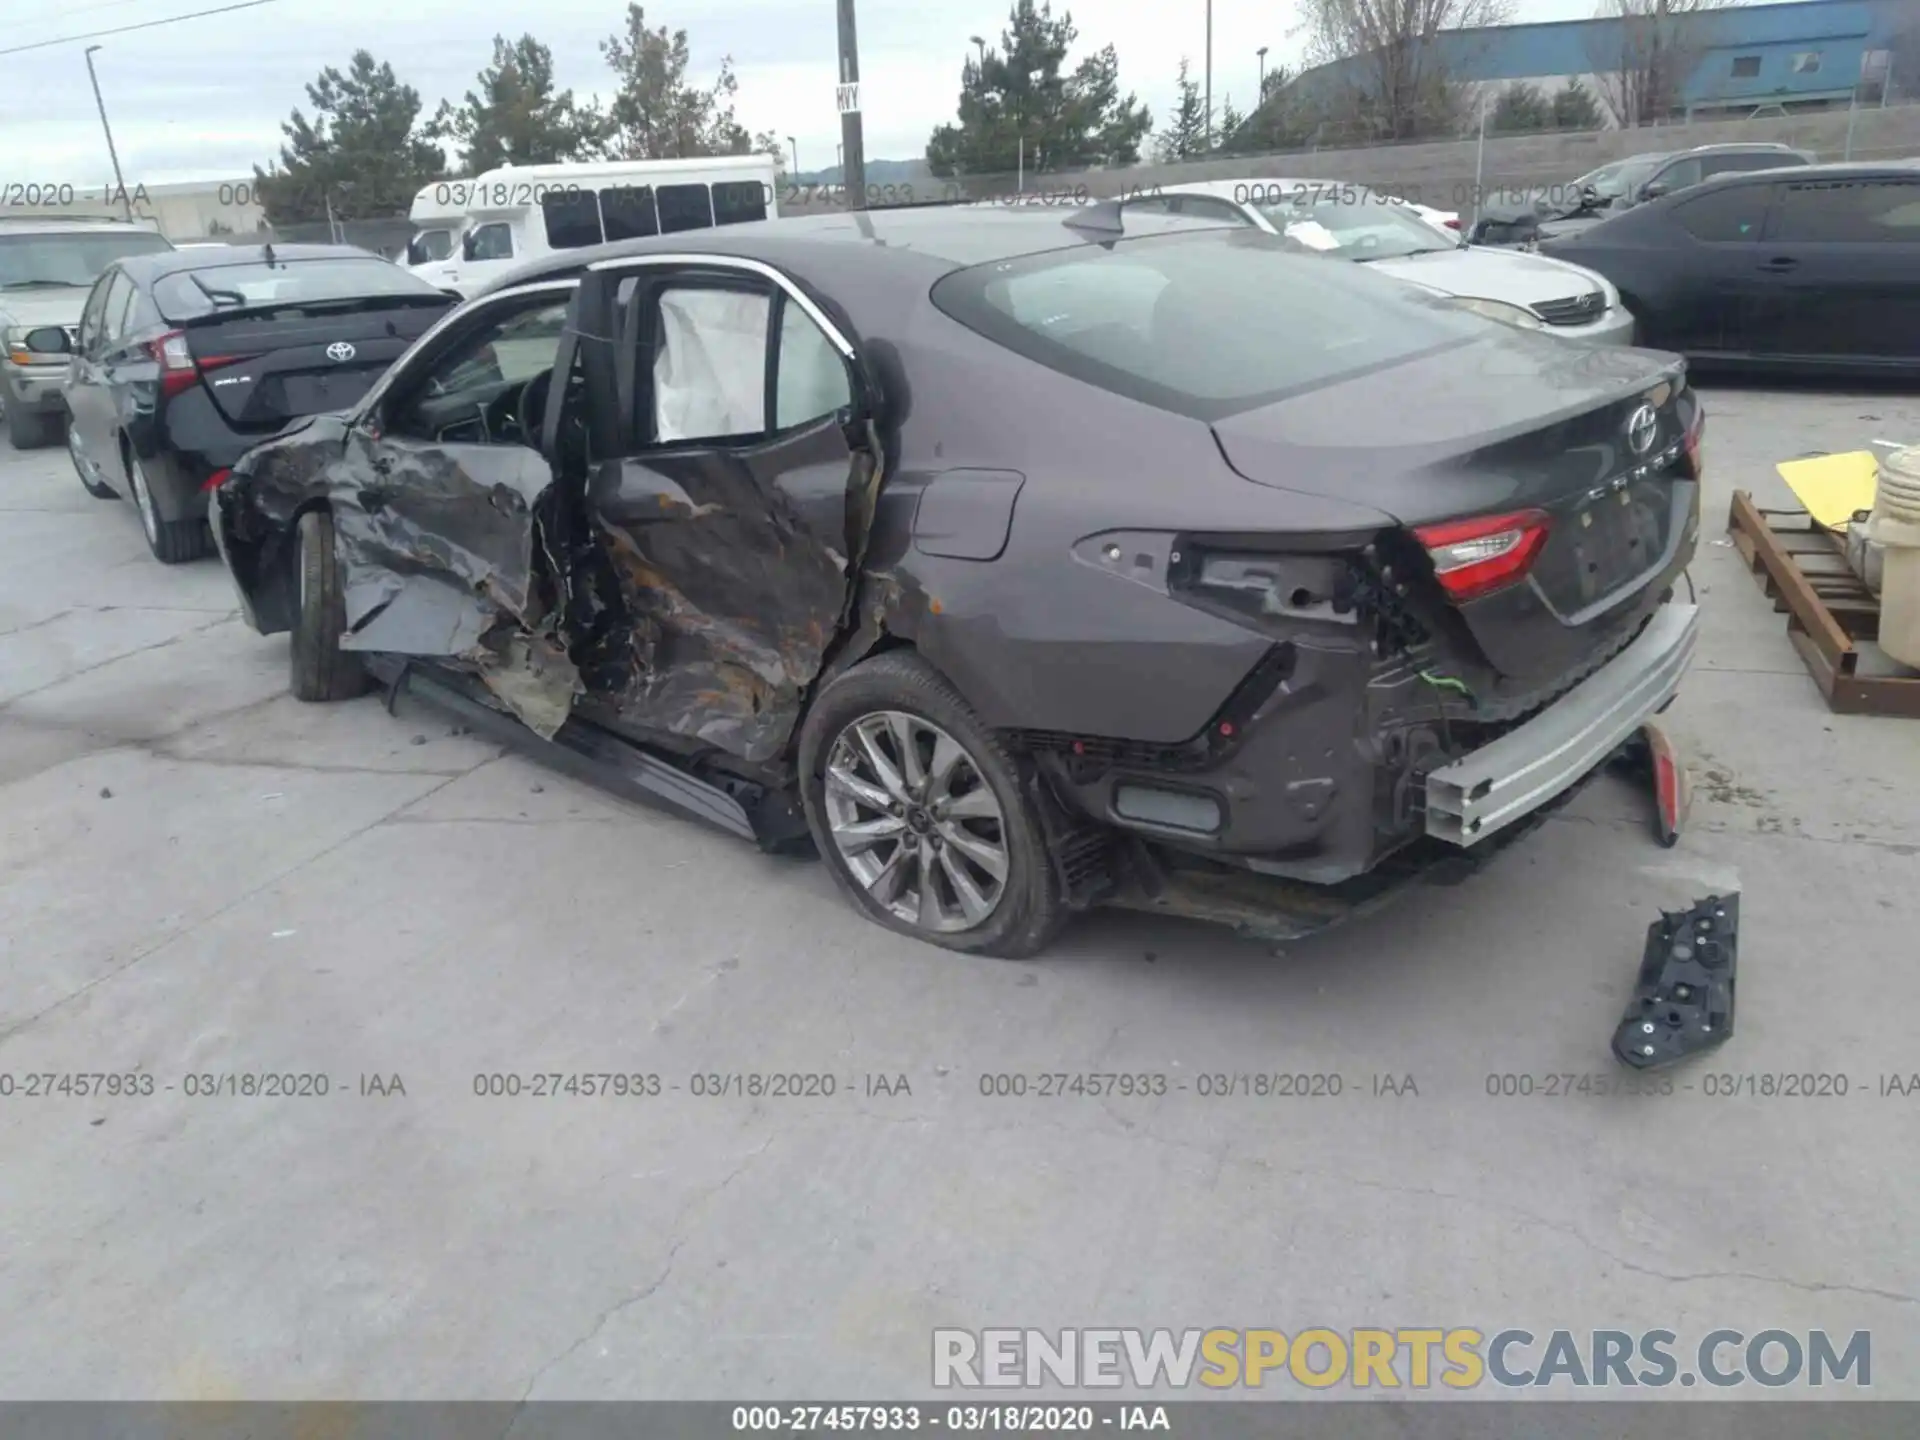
(1260, 92)
(114, 155)
(982, 46)
(796, 153)
(852, 142)
(1209, 74)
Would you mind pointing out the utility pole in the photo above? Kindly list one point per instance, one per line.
(112, 154)
(847, 95)
(1209, 74)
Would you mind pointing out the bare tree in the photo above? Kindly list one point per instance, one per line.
(1641, 66)
(1396, 77)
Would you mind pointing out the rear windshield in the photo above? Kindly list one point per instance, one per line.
(187, 295)
(71, 260)
(1207, 323)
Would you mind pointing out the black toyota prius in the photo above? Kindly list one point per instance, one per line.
(186, 359)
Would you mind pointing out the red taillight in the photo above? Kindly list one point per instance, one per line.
(1478, 556)
(213, 481)
(177, 370)
(1453, 224)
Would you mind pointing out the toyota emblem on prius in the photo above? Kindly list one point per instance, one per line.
(1643, 426)
(341, 350)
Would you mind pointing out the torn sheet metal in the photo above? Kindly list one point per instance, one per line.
(734, 581)
(468, 518)
(532, 677)
(1683, 998)
(437, 559)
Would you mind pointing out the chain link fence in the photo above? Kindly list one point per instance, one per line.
(1449, 174)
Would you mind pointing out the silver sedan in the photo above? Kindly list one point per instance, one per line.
(1351, 222)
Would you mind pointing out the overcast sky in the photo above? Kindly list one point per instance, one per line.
(203, 99)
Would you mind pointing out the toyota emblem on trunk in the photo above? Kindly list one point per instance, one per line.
(1643, 426)
(341, 350)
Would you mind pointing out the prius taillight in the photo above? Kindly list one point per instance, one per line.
(178, 366)
(1477, 556)
(177, 370)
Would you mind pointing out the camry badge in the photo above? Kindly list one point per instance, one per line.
(341, 350)
(1643, 428)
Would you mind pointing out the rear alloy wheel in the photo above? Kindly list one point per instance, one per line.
(321, 670)
(93, 487)
(173, 542)
(918, 811)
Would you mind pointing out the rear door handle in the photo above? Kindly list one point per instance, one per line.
(1779, 265)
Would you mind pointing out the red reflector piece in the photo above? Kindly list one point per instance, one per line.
(213, 480)
(1078, 748)
(1696, 432)
(1477, 556)
(1226, 727)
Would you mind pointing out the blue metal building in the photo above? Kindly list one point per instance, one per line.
(1810, 54)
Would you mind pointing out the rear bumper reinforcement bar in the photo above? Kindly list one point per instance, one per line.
(1502, 782)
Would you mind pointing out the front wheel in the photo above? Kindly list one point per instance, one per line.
(92, 486)
(919, 812)
(321, 670)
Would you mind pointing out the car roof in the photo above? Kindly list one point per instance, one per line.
(1833, 170)
(72, 225)
(148, 268)
(1762, 146)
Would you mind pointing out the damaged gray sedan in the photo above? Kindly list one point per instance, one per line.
(1016, 565)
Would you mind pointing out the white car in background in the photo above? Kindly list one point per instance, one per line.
(1439, 219)
(1351, 222)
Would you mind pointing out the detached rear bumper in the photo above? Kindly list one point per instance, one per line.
(1502, 782)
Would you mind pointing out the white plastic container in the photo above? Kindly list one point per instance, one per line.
(1895, 527)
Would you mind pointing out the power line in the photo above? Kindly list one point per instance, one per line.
(143, 25)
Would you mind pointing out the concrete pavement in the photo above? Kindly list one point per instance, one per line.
(201, 878)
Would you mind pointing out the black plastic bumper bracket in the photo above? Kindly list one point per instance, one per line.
(1683, 1000)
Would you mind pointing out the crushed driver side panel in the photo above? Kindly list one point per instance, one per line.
(734, 579)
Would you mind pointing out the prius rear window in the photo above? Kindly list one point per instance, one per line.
(1206, 323)
(188, 295)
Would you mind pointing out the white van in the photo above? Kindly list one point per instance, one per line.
(520, 213)
(439, 214)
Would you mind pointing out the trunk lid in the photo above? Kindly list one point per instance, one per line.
(1514, 422)
(264, 369)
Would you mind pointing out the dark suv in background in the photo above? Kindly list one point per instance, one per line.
(1624, 184)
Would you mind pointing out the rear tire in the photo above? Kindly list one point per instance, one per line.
(321, 670)
(173, 542)
(28, 431)
(896, 699)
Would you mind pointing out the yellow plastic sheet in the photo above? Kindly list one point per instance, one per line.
(1832, 487)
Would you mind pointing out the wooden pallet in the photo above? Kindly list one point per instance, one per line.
(1802, 567)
